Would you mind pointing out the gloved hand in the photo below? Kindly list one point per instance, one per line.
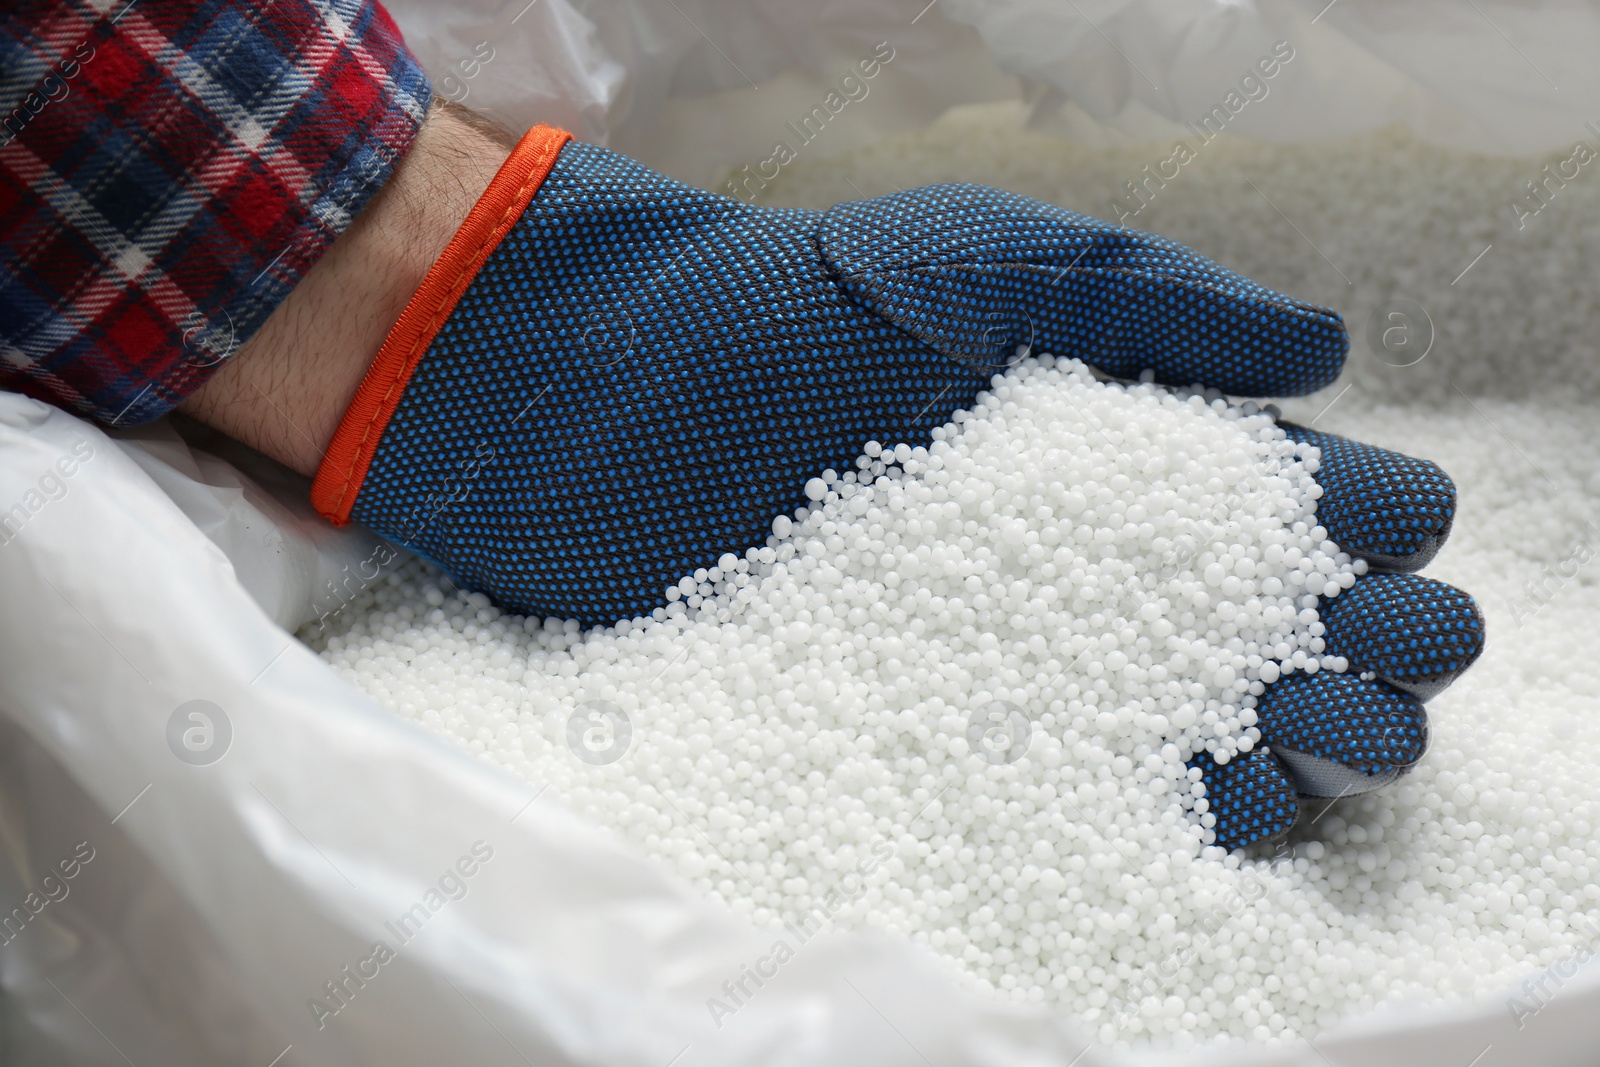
(610, 379)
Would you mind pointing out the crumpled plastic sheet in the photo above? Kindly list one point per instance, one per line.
(697, 88)
(1496, 76)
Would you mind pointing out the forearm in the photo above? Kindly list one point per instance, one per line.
(285, 390)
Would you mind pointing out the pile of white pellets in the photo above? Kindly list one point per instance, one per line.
(958, 691)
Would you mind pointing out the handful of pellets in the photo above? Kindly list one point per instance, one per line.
(954, 698)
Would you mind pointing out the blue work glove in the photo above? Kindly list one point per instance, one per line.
(610, 379)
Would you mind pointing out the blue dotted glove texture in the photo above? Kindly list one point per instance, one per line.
(1406, 638)
(643, 374)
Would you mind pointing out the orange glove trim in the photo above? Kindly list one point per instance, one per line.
(344, 465)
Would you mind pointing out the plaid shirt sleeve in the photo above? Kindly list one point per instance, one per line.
(169, 169)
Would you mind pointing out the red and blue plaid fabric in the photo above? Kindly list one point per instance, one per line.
(169, 170)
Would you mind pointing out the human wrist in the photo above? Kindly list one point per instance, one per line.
(285, 390)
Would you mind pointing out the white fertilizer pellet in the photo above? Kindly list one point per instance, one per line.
(838, 718)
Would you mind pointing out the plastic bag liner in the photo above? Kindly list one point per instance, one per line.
(697, 88)
(214, 850)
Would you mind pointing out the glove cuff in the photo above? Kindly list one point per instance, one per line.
(344, 465)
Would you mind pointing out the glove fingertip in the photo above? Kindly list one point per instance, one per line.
(1392, 510)
(1366, 725)
(1416, 633)
(1250, 796)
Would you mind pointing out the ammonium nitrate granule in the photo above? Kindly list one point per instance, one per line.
(955, 695)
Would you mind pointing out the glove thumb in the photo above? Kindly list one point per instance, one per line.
(975, 272)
